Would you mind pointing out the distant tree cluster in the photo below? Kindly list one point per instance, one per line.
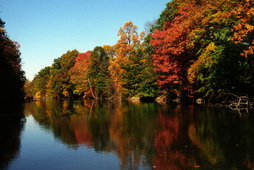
(196, 48)
(121, 70)
(12, 76)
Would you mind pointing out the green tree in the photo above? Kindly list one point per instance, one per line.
(98, 73)
(41, 81)
(219, 66)
(139, 79)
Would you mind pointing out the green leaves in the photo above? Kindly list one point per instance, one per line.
(98, 72)
(138, 77)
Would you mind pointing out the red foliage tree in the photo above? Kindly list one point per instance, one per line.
(171, 53)
(79, 71)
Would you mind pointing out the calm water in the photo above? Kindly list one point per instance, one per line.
(123, 135)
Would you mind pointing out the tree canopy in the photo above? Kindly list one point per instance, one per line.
(11, 73)
(195, 48)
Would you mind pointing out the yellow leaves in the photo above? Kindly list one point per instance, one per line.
(142, 35)
(249, 50)
(128, 34)
(193, 36)
(241, 30)
(204, 60)
(129, 24)
(121, 51)
(116, 72)
(211, 47)
(193, 70)
(37, 95)
(250, 12)
(135, 39)
(249, 27)
(110, 51)
(66, 93)
(106, 47)
(244, 27)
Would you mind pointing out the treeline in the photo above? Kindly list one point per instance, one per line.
(12, 76)
(197, 48)
(122, 70)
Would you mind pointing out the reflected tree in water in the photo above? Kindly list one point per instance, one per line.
(10, 131)
(149, 134)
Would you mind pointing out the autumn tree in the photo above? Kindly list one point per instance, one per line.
(219, 66)
(11, 73)
(129, 39)
(244, 27)
(40, 82)
(195, 48)
(78, 73)
(243, 33)
(29, 90)
(59, 83)
(194, 51)
(171, 56)
(110, 51)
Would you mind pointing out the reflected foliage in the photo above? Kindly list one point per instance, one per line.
(224, 139)
(10, 131)
(149, 134)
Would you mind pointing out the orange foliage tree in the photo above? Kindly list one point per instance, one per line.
(129, 39)
(244, 28)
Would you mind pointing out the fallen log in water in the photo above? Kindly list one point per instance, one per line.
(233, 101)
(241, 102)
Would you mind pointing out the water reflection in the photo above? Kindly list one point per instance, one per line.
(151, 135)
(11, 124)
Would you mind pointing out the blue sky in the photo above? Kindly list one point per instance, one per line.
(46, 29)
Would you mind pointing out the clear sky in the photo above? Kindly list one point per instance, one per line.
(46, 29)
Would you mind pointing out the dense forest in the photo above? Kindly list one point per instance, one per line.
(11, 73)
(196, 48)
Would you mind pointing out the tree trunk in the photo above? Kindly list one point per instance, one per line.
(91, 88)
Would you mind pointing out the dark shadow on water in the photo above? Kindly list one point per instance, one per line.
(11, 124)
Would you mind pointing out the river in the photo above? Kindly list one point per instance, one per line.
(88, 134)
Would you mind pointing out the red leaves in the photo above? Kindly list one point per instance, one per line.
(79, 71)
(169, 45)
(82, 61)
